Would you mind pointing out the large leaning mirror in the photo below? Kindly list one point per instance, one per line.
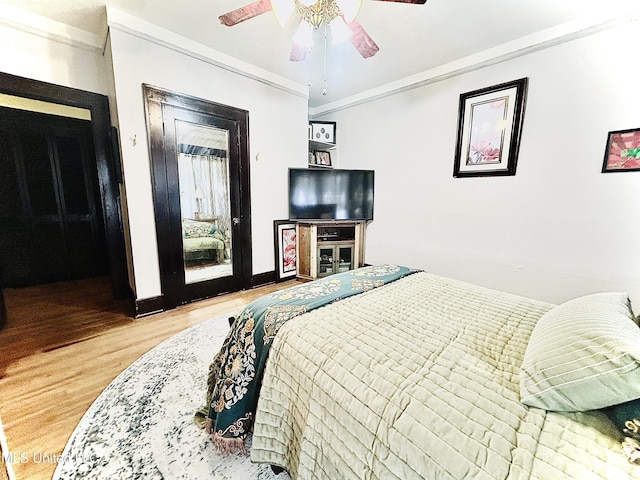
(203, 169)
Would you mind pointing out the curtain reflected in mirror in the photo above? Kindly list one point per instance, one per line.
(203, 171)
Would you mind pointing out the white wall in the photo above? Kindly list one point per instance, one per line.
(557, 229)
(37, 57)
(277, 140)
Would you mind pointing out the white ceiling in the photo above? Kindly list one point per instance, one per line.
(412, 38)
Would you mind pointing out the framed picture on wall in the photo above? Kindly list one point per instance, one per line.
(622, 153)
(324, 132)
(489, 129)
(286, 257)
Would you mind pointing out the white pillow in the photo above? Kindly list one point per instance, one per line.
(583, 355)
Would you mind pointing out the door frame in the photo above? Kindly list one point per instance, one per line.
(105, 156)
(155, 99)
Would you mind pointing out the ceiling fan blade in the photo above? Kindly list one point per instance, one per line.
(298, 53)
(241, 14)
(415, 2)
(362, 41)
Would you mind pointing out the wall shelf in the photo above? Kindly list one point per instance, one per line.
(322, 146)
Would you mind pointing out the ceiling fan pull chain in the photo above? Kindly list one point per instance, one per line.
(324, 90)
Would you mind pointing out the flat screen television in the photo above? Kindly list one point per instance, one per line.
(330, 194)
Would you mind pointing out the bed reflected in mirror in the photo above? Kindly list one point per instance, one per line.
(203, 170)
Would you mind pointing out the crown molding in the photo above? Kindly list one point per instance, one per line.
(528, 44)
(124, 22)
(40, 26)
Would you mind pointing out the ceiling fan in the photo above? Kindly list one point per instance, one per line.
(339, 15)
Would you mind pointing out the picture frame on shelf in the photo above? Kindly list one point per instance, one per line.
(489, 130)
(622, 153)
(285, 249)
(323, 159)
(323, 132)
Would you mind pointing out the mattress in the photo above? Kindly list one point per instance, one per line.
(420, 379)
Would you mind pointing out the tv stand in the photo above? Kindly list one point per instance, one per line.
(326, 247)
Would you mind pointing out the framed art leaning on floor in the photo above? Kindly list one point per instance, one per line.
(285, 249)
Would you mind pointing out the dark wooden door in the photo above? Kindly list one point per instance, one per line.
(203, 251)
(51, 223)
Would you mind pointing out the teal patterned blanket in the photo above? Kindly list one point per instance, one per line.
(235, 375)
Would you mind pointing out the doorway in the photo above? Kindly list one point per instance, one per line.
(107, 171)
(51, 222)
(200, 163)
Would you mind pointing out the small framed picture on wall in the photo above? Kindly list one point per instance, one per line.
(623, 151)
(324, 132)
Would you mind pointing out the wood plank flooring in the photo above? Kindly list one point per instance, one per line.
(63, 344)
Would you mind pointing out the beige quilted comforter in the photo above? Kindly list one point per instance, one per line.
(419, 379)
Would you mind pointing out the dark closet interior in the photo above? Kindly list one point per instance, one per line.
(51, 221)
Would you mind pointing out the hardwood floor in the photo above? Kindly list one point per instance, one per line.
(63, 344)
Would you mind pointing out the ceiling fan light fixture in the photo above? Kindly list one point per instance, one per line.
(283, 9)
(340, 31)
(312, 14)
(304, 35)
(349, 9)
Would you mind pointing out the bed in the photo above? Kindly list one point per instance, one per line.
(202, 242)
(429, 377)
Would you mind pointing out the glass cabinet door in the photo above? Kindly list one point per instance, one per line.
(325, 260)
(334, 259)
(344, 258)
